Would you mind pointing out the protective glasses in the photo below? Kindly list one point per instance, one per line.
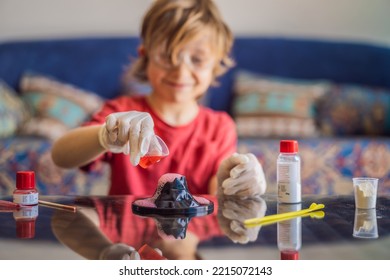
(194, 61)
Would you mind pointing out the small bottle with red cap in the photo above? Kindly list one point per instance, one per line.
(289, 172)
(25, 194)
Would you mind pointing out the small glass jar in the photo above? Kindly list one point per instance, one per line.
(25, 194)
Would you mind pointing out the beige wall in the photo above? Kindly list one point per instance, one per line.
(356, 20)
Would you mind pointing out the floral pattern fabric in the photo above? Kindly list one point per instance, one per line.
(328, 164)
(32, 153)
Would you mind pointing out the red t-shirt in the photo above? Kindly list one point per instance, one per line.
(195, 149)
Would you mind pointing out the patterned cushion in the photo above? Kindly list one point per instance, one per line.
(327, 164)
(33, 153)
(13, 111)
(273, 107)
(355, 110)
(272, 126)
(56, 106)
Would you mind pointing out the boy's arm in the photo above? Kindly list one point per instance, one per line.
(78, 147)
(80, 232)
(213, 185)
(120, 132)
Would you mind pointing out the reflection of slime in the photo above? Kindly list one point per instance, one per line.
(172, 227)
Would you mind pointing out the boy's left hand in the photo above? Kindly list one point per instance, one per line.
(241, 175)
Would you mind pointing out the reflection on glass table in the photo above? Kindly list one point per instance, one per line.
(103, 221)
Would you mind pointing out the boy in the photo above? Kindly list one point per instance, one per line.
(185, 47)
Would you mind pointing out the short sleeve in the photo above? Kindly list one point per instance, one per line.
(227, 139)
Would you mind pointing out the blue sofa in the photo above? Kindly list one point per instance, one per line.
(97, 64)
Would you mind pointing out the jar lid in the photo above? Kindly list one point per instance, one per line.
(25, 229)
(25, 180)
(288, 146)
(289, 255)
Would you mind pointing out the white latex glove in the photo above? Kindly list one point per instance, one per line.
(241, 175)
(128, 133)
(232, 213)
(119, 251)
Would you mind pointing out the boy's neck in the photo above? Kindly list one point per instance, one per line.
(172, 113)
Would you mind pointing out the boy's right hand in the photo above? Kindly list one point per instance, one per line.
(128, 133)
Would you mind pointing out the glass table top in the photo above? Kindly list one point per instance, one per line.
(100, 222)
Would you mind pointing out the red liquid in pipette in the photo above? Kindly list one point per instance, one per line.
(147, 161)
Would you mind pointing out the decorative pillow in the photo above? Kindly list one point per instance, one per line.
(275, 126)
(355, 110)
(55, 106)
(13, 111)
(275, 107)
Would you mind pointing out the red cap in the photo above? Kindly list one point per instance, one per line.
(289, 146)
(25, 229)
(25, 180)
(289, 255)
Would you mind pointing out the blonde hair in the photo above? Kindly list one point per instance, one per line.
(172, 23)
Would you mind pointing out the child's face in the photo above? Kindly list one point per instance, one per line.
(188, 76)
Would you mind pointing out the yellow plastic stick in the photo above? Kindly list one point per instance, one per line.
(313, 207)
(315, 214)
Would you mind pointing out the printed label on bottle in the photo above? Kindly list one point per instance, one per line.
(289, 182)
(29, 212)
(26, 199)
(289, 232)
